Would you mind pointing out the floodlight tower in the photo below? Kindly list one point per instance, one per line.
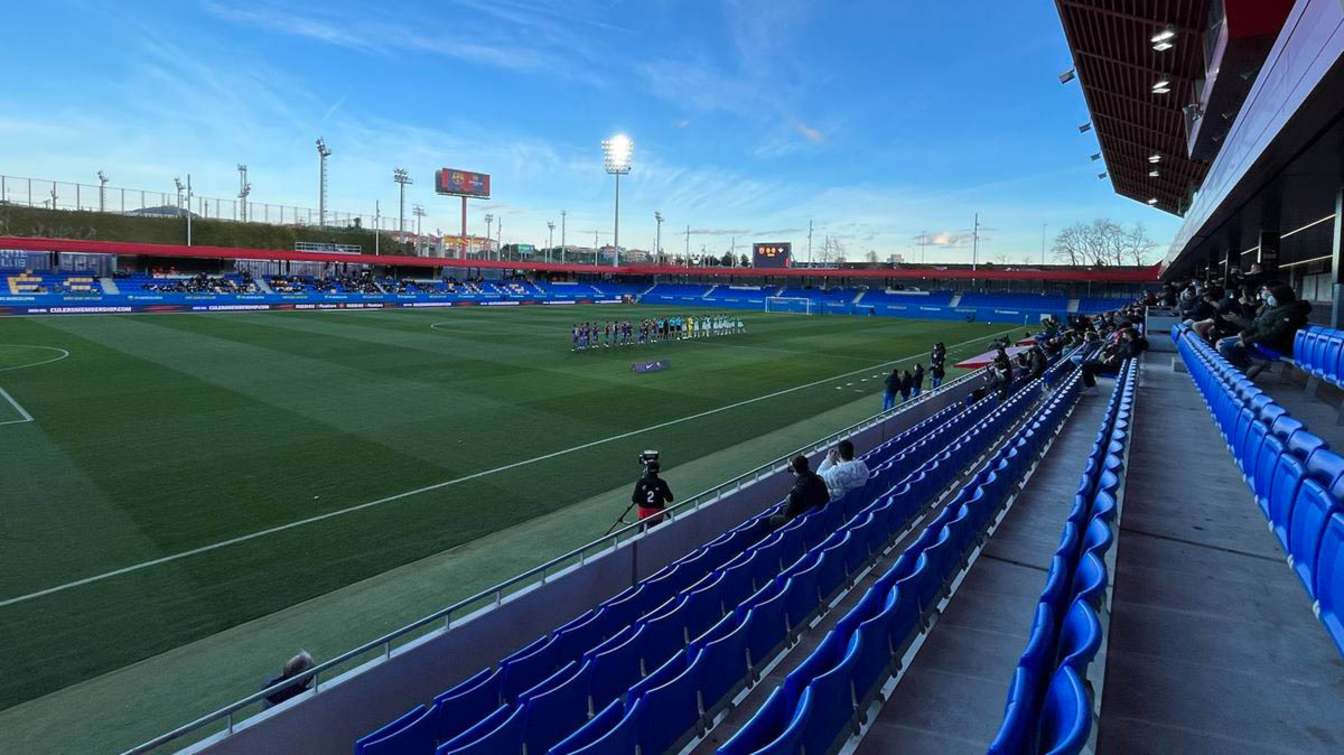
(563, 213)
(180, 188)
(402, 178)
(658, 235)
(550, 238)
(489, 220)
(419, 212)
(616, 153)
(323, 152)
(102, 191)
(244, 190)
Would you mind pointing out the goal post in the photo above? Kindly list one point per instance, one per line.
(798, 305)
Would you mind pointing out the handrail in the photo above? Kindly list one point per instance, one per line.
(498, 592)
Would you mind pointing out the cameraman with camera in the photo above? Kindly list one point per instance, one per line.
(651, 493)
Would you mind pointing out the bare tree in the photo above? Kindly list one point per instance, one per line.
(1101, 243)
(872, 257)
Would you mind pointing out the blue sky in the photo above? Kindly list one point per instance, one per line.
(875, 120)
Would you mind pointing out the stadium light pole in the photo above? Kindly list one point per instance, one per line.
(563, 213)
(102, 190)
(323, 152)
(418, 212)
(616, 153)
(550, 238)
(658, 236)
(489, 221)
(177, 182)
(499, 239)
(377, 225)
(402, 178)
(188, 209)
(244, 190)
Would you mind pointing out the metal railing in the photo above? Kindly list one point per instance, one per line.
(537, 576)
(65, 195)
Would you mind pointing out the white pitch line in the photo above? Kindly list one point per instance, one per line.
(22, 412)
(448, 483)
(63, 355)
(5, 394)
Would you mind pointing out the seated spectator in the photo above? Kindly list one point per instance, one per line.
(809, 492)
(841, 471)
(1108, 360)
(1274, 328)
(295, 666)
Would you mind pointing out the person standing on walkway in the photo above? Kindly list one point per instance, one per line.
(893, 386)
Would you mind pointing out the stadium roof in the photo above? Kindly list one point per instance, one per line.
(904, 272)
(1119, 68)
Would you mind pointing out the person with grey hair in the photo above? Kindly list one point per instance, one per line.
(294, 667)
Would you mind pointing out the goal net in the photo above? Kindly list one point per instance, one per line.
(799, 305)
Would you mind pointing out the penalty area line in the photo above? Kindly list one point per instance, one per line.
(17, 407)
(456, 481)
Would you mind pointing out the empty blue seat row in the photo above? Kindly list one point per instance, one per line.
(1049, 706)
(1298, 481)
(1319, 351)
(827, 693)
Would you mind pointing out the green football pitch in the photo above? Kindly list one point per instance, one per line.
(166, 477)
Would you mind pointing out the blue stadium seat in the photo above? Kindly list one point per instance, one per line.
(616, 665)
(664, 631)
(1311, 512)
(1038, 660)
(775, 728)
(610, 732)
(1098, 538)
(721, 657)
(831, 575)
(801, 597)
(1056, 585)
(500, 732)
(526, 667)
(1079, 637)
(704, 605)
(737, 579)
(581, 633)
(1283, 493)
(556, 707)
(674, 710)
(1017, 732)
(1330, 579)
(875, 650)
(768, 627)
(922, 585)
(832, 685)
(412, 732)
(467, 702)
(1266, 464)
(1066, 715)
(771, 553)
(1089, 581)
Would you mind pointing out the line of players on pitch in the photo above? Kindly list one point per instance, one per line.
(608, 333)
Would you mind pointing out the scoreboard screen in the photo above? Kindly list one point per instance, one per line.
(771, 254)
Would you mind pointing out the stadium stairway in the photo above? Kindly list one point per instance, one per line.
(683, 641)
(109, 285)
(1213, 644)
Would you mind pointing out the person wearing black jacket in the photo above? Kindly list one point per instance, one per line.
(1108, 361)
(1275, 327)
(809, 492)
(918, 378)
(936, 373)
(893, 387)
(651, 495)
(907, 382)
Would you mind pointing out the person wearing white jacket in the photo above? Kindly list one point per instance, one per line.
(841, 471)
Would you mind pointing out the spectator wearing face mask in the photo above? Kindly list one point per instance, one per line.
(1273, 328)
